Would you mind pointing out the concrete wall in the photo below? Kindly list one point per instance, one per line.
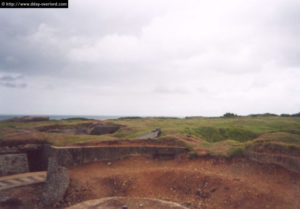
(13, 164)
(23, 158)
(36, 158)
(70, 156)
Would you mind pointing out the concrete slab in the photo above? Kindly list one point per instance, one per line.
(8, 182)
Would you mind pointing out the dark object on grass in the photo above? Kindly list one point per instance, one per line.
(150, 135)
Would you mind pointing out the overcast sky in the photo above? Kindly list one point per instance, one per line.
(145, 57)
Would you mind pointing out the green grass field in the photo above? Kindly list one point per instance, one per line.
(211, 129)
(217, 135)
(220, 136)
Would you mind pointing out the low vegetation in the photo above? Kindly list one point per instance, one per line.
(226, 135)
(212, 134)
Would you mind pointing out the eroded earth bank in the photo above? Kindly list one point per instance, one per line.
(199, 183)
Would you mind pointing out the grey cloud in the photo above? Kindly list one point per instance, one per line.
(12, 81)
(13, 85)
(202, 90)
(109, 51)
(41, 48)
(8, 78)
(28, 57)
(287, 16)
(166, 90)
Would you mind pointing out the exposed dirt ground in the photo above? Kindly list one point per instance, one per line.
(203, 183)
(26, 197)
(124, 202)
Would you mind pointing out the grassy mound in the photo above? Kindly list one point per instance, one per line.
(212, 134)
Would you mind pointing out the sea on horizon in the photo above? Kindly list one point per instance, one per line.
(61, 117)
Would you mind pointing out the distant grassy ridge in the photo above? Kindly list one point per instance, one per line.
(212, 129)
(227, 136)
(219, 135)
(11, 132)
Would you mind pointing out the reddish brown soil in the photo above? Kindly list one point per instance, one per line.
(132, 203)
(202, 183)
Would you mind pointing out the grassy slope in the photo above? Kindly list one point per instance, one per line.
(13, 131)
(198, 127)
(218, 135)
(221, 136)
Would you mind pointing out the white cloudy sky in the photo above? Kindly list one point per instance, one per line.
(145, 57)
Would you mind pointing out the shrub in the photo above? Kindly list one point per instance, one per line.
(190, 148)
(263, 115)
(296, 114)
(236, 152)
(229, 115)
(130, 118)
(284, 115)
